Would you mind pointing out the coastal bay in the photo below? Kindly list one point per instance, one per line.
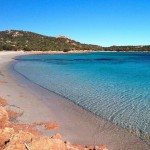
(76, 124)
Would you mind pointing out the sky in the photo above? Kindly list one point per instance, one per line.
(101, 22)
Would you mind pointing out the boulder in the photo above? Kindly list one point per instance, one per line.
(3, 117)
(57, 136)
(18, 141)
(3, 102)
(46, 143)
(5, 136)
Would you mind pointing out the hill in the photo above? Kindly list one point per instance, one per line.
(27, 41)
(23, 40)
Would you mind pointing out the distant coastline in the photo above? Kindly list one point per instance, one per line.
(29, 41)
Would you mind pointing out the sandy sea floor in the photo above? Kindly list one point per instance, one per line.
(76, 125)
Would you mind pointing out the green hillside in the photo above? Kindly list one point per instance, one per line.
(27, 41)
(23, 40)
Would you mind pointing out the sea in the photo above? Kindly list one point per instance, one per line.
(112, 85)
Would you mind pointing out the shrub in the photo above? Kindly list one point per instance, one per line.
(9, 47)
(66, 50)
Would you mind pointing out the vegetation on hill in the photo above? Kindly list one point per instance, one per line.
(127, 48)
(29, 41)
(22, 40)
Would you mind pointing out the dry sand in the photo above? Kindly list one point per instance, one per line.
(76, 125)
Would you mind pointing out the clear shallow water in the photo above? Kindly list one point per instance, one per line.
(114, 86)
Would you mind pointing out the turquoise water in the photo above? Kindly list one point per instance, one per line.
(114, 86)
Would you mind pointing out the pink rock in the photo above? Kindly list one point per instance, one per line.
(3, 117)
(57, 136)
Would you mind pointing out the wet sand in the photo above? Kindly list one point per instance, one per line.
(76, 124)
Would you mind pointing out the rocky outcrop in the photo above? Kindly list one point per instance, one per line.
(19, 140)
(2, 102)
(5, 136)
(47, 143)
(22, 137)
(3, 117)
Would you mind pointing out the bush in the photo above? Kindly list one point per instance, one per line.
(26, 49)
(66, 50)
(9, 47)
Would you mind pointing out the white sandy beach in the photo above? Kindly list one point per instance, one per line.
(76, 125)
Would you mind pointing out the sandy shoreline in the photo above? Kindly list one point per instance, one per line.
(76, 124)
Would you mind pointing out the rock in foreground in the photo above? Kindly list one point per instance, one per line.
(12, 139)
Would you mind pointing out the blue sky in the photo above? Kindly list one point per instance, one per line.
(102, 22)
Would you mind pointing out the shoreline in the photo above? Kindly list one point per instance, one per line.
(80, 52)
(81, 124)
(69, 52)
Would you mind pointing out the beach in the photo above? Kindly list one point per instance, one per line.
(75, 124)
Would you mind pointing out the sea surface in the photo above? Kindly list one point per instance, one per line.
(113, 85)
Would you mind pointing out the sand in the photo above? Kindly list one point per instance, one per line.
(76, 124)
